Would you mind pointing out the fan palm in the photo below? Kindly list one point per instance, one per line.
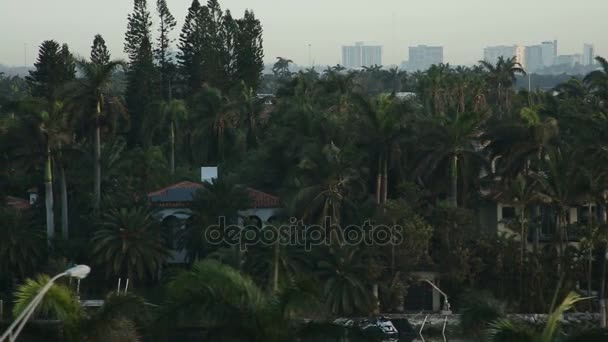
(129, 244)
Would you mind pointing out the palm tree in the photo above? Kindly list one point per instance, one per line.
(230, 307)
(344, 287)
(502, 76)
(249, 107)
(452, 141)
(129, 244)
(49, 124)
(59, 302)
(326, 182)
(22, 242)
(384, 124)
(214, 121)
(281, 67)
(561, 181)
(116, 321)
(597, 81)
(515, 144)
(94, 89)
(221, 198)
(174, 111)
(505, 330)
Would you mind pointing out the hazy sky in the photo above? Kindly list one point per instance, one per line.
(463, 27)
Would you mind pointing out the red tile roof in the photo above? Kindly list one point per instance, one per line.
(181, 185)
(17, 203)
(263, 200)
(260, 199)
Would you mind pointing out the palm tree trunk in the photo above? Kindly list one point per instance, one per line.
(275, 271)
(523, 237)
(385, 182)
(379, 181)
(454, 182)
(48, 198)
(590, 258)
(172, 138)
(97, 199)
(64, 203)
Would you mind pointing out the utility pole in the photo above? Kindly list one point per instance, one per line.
(310, 55)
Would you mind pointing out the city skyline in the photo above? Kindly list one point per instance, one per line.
(391, 24)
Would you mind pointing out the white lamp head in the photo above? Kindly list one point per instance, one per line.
(80, 271)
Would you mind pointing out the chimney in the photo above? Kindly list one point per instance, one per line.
(33, 195)
(208, 173)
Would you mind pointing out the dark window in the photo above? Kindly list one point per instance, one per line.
(508, 213)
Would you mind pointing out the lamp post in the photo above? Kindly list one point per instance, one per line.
(11, 334)
(447, 309)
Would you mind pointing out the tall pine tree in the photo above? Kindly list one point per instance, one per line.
(249, 51)
(141, 85)
(99, 51)
(190, 56)
(166, 25)
(54, 67)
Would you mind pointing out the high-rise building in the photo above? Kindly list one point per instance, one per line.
(549, 52)
(360, 55)
(491, 54)
(423, 56)
(588, 54)
(568, 60)
(533, 58)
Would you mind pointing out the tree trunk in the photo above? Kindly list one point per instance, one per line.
(64, 203)
(97, 199)
(379, 181)
(48, 198)
(385, 181)
(275, 271)
(602, 220)
(454, 182)
(172, 157)
(590, 258)
(523, 237)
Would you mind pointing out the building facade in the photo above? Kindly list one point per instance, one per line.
(361, 55)
(569, 60)
(533, 58)
(491, 54)
(588, 54)
(549, 52)
(421, 57)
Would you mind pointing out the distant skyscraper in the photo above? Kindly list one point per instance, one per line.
(422, 57)
(533, 58)
(360, 55)
(549, 52)
(492, 53)
(568, 60)
(588, 54)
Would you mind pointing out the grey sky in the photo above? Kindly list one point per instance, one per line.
(464, 27)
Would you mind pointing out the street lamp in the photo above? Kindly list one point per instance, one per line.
(11, 334)
(447, 309)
